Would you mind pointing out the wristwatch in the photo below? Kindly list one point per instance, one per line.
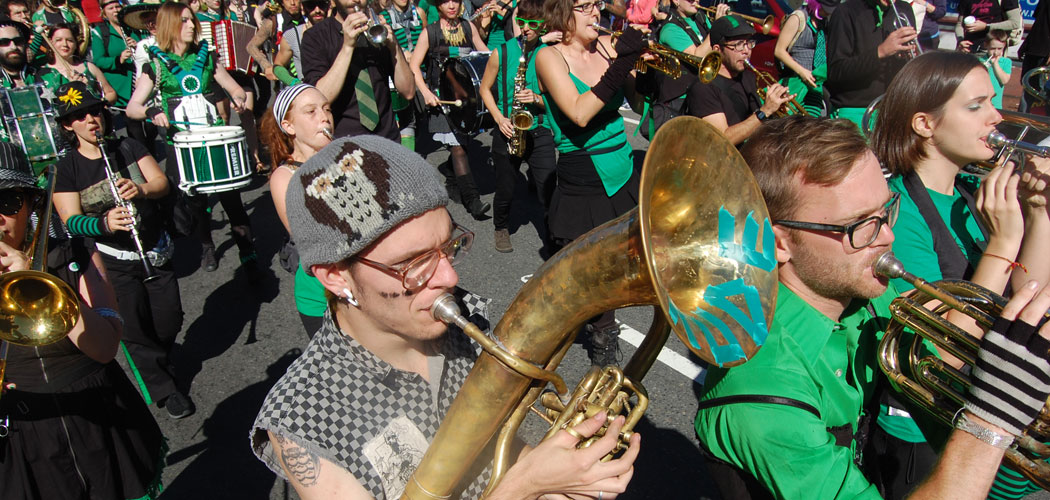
(761, 115)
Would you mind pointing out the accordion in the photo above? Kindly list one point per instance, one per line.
(231, 44)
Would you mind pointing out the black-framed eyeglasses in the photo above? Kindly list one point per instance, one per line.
(861, 233)
(419, 270)
(18, 40)
(584, 8)
(532, 24)
(11, 201)
(741, 45)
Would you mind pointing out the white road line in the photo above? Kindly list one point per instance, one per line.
(677, 362)
(630, 120)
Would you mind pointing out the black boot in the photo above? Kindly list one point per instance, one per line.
(471, 201)
(450, 182)
(605, 346)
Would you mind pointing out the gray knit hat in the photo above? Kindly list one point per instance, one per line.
(352, 192)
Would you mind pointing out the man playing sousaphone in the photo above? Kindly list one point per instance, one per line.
(353, 416)
(792, 421)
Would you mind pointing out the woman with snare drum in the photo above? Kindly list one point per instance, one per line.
(149, 299)
(583, 80)
(73, 426)
(300, 125)
(934, 119)
(64, 66)
(180, 69)
(448, 36)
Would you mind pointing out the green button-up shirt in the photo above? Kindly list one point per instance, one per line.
(828, 364)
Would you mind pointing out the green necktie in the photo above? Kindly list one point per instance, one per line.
(366, 100)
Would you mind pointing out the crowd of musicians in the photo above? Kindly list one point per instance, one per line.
(866, 143)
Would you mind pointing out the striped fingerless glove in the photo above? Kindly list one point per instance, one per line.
(1012, 378)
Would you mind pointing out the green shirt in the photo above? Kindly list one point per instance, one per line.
(675, 37)
(1006, 65)
(120, 75)
(828, 364)
(511, 53)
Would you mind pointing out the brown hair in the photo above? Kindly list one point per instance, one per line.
(270, 133)
(531, 9)
(559, 16)
(800, 149)
(169, 24)
(924, 85)
(74, 29)
(999, 35)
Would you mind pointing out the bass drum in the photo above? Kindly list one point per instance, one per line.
(461, 80)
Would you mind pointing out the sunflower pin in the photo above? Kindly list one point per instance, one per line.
(72, 97)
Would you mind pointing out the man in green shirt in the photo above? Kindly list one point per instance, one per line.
(791, 420)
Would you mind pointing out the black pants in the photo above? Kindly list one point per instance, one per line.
(539, 153)
(152, 315)
(900, 465)
(240, 224)
(144, 133)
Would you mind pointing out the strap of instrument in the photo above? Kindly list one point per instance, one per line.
(759, 398)
(950, 258)
(507, 86)
(677, 20)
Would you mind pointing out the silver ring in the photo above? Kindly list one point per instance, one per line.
(600, 493)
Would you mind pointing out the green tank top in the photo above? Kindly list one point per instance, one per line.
(510, 52)
(604, 138)
(167, 85)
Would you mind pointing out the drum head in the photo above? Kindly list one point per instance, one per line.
(461, 80)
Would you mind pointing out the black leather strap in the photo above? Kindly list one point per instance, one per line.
(759, 398)
(950, 258)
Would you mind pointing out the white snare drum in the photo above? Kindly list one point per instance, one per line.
(212, 160)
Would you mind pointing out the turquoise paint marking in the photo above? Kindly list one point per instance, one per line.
(747, 252)
(705, 322)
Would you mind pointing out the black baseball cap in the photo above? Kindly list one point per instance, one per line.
(729, 28)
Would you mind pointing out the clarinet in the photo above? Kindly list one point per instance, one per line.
(111, 175)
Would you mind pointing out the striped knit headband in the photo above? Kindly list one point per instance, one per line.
(284, 101)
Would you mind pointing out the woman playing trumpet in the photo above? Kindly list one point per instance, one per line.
(152, 310)
(73, 425)
(934, 120)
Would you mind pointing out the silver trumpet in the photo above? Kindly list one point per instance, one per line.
(901, 21)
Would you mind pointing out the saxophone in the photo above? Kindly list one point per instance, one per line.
(520, 118)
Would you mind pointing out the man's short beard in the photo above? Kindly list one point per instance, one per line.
(13, 66)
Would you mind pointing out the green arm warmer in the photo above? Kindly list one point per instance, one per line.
(83, 225)
(285, 76)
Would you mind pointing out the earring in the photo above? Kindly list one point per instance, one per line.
(350, 297)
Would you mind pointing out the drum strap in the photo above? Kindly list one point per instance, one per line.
(190, 80)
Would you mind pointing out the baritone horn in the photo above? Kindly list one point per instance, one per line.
(36, 308)
(931, 383)
(699, 248)
(669, 61)
(1040, 89)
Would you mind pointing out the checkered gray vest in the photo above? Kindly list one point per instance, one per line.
(341, 402)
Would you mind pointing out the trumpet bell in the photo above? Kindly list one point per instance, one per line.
(36, 308)
(377, 34)
(767, 24)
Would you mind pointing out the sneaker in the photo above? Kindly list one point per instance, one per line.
(179, 405)
(478, 208)
(208, 260)
(605, 347)
(502, 241)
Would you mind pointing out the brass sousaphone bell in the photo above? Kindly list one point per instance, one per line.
(699, 248)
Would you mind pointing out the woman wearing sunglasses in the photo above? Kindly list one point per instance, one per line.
(583, 79)
(934, 120)
(72, 424)
(299, 126)
(64, 66)
(448, 36)
(505, 65)
(152, 310)
(288, 63)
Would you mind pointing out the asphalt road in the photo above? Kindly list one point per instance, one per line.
(238, 339)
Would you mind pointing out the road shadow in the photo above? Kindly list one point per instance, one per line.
(669, 465)
(224, 465)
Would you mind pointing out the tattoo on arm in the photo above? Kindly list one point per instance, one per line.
(299, 462)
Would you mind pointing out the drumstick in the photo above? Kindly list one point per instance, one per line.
(457, 103)
(148, 120)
